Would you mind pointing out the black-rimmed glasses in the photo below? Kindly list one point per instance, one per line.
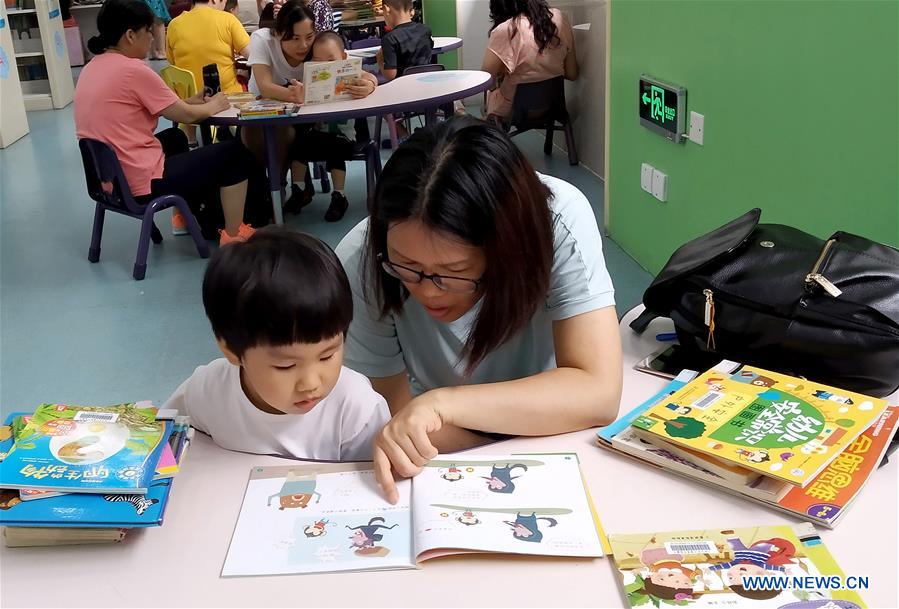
(447, 283)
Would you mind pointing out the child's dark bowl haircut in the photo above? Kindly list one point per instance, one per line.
(278, 288)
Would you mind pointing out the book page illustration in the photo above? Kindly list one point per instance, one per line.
(319, 518)
(706, 568)
(326, 81)
(533, 504)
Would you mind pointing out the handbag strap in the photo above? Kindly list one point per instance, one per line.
(642, 321)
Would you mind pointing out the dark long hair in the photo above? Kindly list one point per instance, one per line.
(467, 180)
(117, 17)
(537, 11)
(291, 12)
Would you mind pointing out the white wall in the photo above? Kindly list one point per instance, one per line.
(587, 96)
(472, 24)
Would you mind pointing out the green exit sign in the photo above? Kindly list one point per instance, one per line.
(662, 107)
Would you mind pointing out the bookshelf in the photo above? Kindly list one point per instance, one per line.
(41, 57)
(13, 122)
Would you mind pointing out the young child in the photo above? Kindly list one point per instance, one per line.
(331, 142)
(407, 44)
(280, 305)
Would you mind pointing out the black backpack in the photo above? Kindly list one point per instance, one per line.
(778, 298)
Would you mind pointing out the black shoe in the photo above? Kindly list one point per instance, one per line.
(338, 207)
(298, 199)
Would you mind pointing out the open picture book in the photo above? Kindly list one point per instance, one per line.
(314, 518)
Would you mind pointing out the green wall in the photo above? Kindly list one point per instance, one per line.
(800, 104)
(440, 15)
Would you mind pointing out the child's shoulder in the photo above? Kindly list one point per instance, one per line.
(353, 386)
(214, 376)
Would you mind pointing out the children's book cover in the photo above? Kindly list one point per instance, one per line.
(332, 517)
(85, 449)
(326, 81)
(783, 567)
(783, 427)
(81, 509)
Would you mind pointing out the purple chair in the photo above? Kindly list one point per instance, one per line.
(107, 186)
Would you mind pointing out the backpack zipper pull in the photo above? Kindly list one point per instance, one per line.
(824, 282)
(709, 319)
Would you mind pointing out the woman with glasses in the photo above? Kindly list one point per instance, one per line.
(482, 301)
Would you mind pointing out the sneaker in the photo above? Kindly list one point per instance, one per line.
(338, 207)
(179, 223)
(244, 232)
(299, 198)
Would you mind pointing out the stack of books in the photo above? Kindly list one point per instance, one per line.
(792, 444)
(87, 474)
(248, 107)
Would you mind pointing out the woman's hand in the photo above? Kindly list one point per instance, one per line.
(295, 91)
(218, 103)
(362, 87)
(403, 445)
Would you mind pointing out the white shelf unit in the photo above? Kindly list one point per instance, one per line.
(13, 120)
(42, 57)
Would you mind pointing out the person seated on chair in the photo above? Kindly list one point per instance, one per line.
(206, 34)
(529, 42)
(276, 61)
(118, 101)
(331, 142)
(407, 44)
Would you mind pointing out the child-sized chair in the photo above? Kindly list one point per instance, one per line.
(107, 186)
(183, 83)
(540, 105)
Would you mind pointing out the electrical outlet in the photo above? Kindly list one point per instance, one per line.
(659, 185)
(697, 128)
(646, 177)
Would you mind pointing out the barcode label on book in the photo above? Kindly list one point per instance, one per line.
(690, 547)
(707, 400)
(106, 417)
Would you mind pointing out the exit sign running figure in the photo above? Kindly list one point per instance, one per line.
(662, 107)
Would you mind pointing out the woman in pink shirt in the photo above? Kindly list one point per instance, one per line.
(119, 99)
(529, 42)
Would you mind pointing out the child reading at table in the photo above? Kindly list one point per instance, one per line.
(407, 44)
(280, 306)
(333, 143)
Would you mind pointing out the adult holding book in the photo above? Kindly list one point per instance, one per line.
(483, 304)
(276, 62)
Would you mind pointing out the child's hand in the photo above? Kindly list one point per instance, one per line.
(295, 91)
(361, 87)
(403, 445)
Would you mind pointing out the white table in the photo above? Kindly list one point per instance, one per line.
(414, 92)
(179, 564)
(442, 44)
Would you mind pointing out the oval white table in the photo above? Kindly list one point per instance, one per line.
(179, 564)
(414, 92)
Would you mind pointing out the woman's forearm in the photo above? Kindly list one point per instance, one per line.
(551, 402)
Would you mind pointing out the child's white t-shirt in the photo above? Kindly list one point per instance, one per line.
(340, 428)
